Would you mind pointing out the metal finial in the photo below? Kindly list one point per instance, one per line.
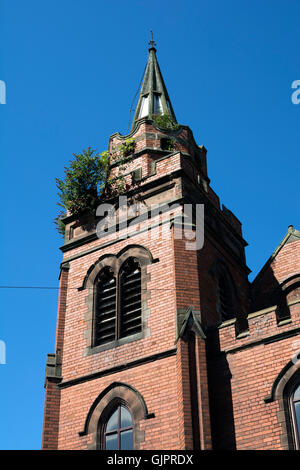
(152, 43)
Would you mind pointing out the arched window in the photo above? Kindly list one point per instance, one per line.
(114, 419)
(286, 392)
(118, 430)
(144, 110)
(226, 292)
(295, 407)
(118, 303)
(130, 298)
(105, 308)
(226, 307)
(284, 295)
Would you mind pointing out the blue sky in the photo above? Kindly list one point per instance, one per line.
(71, 69)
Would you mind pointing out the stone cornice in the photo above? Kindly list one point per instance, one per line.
(119, 368)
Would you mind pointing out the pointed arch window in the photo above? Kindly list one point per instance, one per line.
(130, 294)
(144, 110)
(118, 303)
(105, 308)
(226, 292)
(118, 430)
(157, 104)
(225, 297)
(295, 406)
(284, 294)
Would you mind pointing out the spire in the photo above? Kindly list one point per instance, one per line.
(154, 98)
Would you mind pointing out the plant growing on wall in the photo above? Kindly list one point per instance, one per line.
(127, 148)
(83, 181)
(165, 121)
(168, 144)
(82, 185)
(87, 179)
(117, 184)
(60, 226)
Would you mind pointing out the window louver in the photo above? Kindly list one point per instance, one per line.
(131, 308)
(225, 299)
(105, 320)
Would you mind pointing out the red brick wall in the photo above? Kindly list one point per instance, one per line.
(233, 374)
(51, 416)
(52, 393)
(284, 265)
(244, 370)
(157, 384)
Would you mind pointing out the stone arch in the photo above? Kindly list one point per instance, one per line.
(135, 251)
(138, 251)
(281, 391)
(282, 296)
(114, 262)
(115, 393)
(220, 270)
(220, 266)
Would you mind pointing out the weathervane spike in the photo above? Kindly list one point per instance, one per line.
(152, 43)
(153, 97)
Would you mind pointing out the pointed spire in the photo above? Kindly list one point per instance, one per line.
(154, 98)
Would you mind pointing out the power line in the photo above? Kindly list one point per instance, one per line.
(135, 98)
(76, 288)
(30, 287)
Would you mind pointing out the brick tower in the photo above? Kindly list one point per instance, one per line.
(162, 343)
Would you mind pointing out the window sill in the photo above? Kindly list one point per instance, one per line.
(114, 344)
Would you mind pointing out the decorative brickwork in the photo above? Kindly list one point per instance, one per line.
(103, 405)
(191, 378)
(115, 262)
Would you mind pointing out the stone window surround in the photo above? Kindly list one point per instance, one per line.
(282, 390)
(117, 393)
(280, 295)
(145, 258)
(218, 269)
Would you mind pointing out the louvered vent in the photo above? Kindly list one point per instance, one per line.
(225, 299)
(105, 320)
(131, 302)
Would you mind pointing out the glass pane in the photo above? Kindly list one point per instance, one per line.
(126, 420)
(144, 107)
(297, 392)
(112, 423)
(111, 442)
(126, 440)
(157, 105)
(297, 412)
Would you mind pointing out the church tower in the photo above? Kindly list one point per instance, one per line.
(140, 359)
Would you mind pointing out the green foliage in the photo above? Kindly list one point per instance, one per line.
(169, 144)
(87, 178)
(105, 157)
(84, 180)
(127, 148)
(117, 185)
(165, 121)
(61, 228)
